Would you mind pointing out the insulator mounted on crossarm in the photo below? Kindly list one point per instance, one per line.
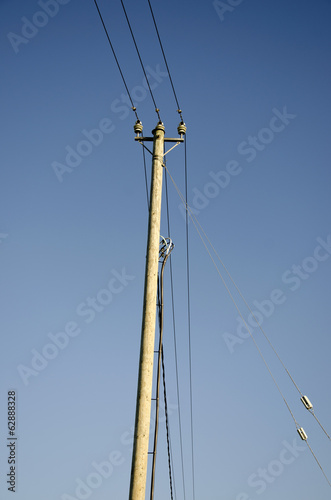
(138, 127)
(181, 129)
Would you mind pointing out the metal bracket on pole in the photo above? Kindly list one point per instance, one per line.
(178, 142)
(138, 127)
(140, 140)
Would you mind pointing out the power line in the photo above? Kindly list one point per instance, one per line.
(141, 62)
(311, 451)
(319, 423)
(309, 408)
(167, 425)
(189, 322)
(175, 341)
(193, 218)
(117, 62)
(145, 171)
(164, 254)
(165, 60)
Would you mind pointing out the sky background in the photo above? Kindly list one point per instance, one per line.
(64, 238)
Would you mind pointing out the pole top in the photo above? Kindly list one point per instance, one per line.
(159, 126)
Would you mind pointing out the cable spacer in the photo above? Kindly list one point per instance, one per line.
(306, 402)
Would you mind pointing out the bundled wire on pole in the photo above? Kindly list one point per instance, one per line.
(164, 254)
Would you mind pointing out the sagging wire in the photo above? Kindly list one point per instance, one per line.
(197, 225)
(179, 111)
(141, 62)
(134, 109)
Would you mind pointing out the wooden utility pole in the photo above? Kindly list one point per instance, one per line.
(145, 377)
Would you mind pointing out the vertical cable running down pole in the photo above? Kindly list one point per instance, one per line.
(189, 321)
(175, 342)
(170, 461)
(158, 375)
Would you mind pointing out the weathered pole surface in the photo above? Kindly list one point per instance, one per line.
(145, 377)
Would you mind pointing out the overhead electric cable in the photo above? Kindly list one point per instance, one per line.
(310, 409)
(171, 479)
(134, 109)
(189, 323)
(164, 254)
(193, 218)
(145, 171)
(141, 62)
(158, 373)
(259, 325)
(319, 423)
(165, 60)
(189, 211)
(231, 296)
(175, 341)
(311, 451)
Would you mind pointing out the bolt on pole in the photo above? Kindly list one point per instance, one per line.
(145, 377)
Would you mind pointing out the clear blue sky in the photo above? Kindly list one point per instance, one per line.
(254, 86)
